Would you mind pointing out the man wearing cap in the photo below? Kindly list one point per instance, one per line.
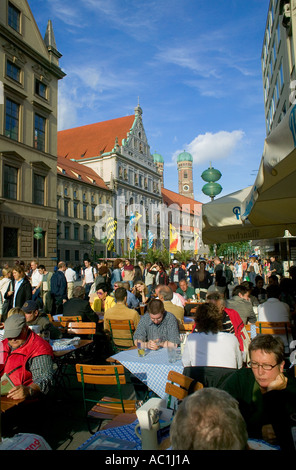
(26, 358)
(177, 273)
(34, 317)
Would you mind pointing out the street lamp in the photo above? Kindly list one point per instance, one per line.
(38, 235)
(211, 175)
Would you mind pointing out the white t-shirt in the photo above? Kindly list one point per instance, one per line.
(36, 278)
(274, 310)
(89, 275)
(70, 275)
(215, 350)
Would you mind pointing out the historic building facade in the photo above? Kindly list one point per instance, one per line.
(79, 191)
(118, 151)
(28, 136)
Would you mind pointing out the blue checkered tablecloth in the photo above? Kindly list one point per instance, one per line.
(124, 433)
(151, 369)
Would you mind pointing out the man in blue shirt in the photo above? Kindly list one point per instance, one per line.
(157, 324)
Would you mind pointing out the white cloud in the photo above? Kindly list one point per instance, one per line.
(210, 147)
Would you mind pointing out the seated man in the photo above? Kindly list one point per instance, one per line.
(26, 358)
(121, 312)
(259, 291)
(165, 294)
(34, 317)
(77, 305)
(186, 291)
(273, 310)
(209, 419)
(241, 303)
(266, 396)
(157, 324)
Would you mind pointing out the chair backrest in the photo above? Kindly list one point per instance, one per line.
(273, 328)
(81, 328)
(68, 319)
(248, 329)
(119, 339)
(178, 385)
(186, 326)
(101, 375)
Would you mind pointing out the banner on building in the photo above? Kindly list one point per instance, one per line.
(175, 241)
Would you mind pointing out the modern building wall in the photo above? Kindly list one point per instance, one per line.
(278, 60)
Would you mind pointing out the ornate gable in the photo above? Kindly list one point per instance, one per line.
(136, 143)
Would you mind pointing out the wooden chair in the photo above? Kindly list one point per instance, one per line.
(274, 328)
(81, 328)
(106, 408)
(178, 386)
(121, 340)
(283, 329)
(186, 326)
(74, 318)
(248, 329)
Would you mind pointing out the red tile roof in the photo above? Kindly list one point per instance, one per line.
(79, 172)
(170, 197)
(93, 139)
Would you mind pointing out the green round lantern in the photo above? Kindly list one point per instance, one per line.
(212, 188)
(211, 175)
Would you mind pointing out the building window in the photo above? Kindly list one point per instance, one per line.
(67, 255)
(84, 211)
(85, 233)
(12, 119)
(10, 182)
(10, 242)
(76, 255)
(39, 133)
(76, 232)
(67, 232)
(38, 189)
(13, 71)
(75, 206)
(66, 208)
(92, 213)
(14, 17)
(40, 89)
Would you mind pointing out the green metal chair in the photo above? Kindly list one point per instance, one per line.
(107, 407)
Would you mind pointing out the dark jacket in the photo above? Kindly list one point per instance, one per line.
(59, 285)
(79, 307)
(23, 294)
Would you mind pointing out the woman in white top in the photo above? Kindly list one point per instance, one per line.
(209, 345)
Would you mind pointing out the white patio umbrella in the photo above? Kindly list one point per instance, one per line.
(221, 221)
(272, 199)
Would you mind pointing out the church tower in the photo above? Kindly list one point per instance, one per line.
(185, 174)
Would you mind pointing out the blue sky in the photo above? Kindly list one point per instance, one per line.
(194, 66)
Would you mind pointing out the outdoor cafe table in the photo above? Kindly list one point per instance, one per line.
(63, 351)
(7, 403)
(151, 369)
